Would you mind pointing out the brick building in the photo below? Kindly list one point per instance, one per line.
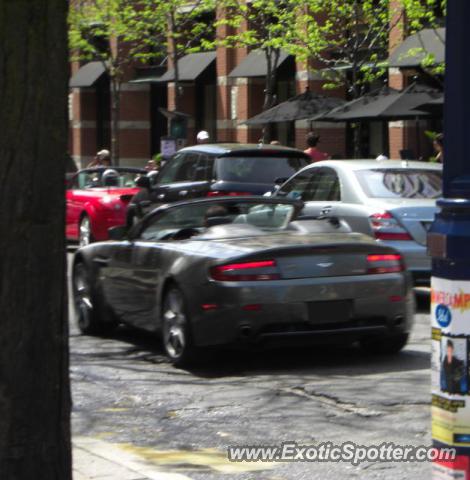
(220, 90)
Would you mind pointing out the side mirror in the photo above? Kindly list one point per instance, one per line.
(117, 233)
(143, 182)
(280, 180)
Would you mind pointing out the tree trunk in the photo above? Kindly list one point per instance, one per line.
(176, 68)
(34, 385)
(272, 60)
(115, 111)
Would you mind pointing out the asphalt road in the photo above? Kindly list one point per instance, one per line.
(126, 393)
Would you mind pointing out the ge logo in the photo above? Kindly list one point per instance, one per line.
(443, 315)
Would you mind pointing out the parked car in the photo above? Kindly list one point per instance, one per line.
(97, 199)
(232, 270)
(392, 201)
(221, 169)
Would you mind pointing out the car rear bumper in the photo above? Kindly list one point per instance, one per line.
(295, 310)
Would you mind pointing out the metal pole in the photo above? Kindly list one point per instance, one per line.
(449, 245)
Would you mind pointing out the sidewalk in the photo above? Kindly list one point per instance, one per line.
(98, 460)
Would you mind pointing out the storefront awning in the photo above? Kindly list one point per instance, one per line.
(255, 65)
(150, 74)
(415, 48)
(190, 67)
(87, 75)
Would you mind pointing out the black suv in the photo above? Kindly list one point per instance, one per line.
(221, 169)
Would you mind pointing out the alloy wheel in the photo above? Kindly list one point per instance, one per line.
(84, 306)
(85, 232)
(174, 324)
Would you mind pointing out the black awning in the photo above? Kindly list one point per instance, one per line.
(255, 65)
(148, 74)
(190, 67)
(87, 75)
(416, 47)
(170, 114)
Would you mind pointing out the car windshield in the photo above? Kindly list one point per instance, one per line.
(200, 217)
(257, 169)
(401, 183)
(108, 178)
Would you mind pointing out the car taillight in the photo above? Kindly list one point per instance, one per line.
(246, 271)
(219, 193)
(387, 263)
(386, 227)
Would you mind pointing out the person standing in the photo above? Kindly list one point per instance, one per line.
(312, 151)
(102, 159)
(202, 137)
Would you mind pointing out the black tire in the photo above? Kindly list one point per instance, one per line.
(387, 345)
(85, 235)
(93, 318)
(176, 329)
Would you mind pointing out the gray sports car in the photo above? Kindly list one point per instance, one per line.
(230, 270)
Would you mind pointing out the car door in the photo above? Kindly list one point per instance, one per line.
(129, 277)
(137, 268)
(177, 180)
(77, 194)
(323, 194)
(203, 176)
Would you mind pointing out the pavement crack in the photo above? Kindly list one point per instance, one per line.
(331, 401)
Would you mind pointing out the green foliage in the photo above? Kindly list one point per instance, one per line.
(258, 25)
(98, 30)
(347, 40)
(119, 32)
(175, 26)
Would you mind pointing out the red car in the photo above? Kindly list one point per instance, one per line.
(97, 199)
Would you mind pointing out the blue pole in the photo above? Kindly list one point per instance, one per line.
(457, 101)
(449, 246)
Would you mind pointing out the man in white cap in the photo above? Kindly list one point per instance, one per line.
(102, 159)
(203, 137)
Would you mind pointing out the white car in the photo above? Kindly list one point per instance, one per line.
(394, 201)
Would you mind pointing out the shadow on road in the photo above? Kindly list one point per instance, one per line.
(142, 349)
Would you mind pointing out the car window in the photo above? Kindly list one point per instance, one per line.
(400, 183)
(204, 168)
(257, 169)
(187, 216)
(325, 187)
(298, 188)
(182, 168)
(169, 171)
(89, 179)
(200, 217)
(94, 179)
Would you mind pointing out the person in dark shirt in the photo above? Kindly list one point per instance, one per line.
(452, 371)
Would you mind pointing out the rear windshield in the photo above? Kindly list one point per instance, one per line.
(401, 183)
(257, 169)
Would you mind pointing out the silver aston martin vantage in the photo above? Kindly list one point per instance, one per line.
(243, 270)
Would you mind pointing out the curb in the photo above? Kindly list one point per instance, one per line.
(95, 459)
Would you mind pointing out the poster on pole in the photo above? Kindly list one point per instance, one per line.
(167, 147)
(450, 350)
